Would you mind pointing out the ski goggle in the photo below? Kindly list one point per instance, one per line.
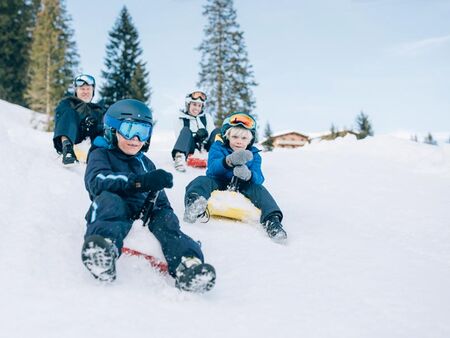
(129, 129)
(83, 79)
(198, 95)
(241, 119)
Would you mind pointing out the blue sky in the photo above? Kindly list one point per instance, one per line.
(317, 62)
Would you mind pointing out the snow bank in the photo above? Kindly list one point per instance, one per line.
(367, 256)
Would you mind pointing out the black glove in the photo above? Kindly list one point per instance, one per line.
(153, 181)
(201, 135)
(239, 157)
(88, 126)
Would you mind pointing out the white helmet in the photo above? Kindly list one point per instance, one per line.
(195, 96)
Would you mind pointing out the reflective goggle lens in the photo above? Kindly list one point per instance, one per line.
(129, 129)
(198, 95)
(84, 79)
(243, 120)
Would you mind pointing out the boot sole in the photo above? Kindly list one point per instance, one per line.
(198, 279)
(98, 259)
(280, 237)
(195, 210)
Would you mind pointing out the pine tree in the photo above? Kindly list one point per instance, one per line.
(16, 24)
(139, 86)
(333, 131)
(125, 75)
(414, 138)
(225, 74)
(364, 126)
(53, 58)
(429, 139)
(268, 135)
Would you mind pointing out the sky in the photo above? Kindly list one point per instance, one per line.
(317, 63)
(369, 264)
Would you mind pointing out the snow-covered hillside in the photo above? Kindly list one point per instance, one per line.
(368, 252)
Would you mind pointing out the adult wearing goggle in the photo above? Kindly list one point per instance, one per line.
(77, 118)
(195, 129)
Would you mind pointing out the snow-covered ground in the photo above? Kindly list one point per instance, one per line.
(368, 252)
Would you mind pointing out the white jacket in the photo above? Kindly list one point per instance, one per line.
(195, 122)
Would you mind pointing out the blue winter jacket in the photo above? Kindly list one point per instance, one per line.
(113, 171)
(218, 169)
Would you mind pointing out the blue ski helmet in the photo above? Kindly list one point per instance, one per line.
(130, 118)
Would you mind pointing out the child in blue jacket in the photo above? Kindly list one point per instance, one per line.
(119, 179)
(236, 156)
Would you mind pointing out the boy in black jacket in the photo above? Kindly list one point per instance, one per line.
(119, 178)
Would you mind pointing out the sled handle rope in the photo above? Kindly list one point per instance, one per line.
(234, 184)
(147, 207)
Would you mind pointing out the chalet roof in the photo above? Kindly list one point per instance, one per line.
(288, 132)
(279, 134)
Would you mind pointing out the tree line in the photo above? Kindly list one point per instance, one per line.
(39, 58)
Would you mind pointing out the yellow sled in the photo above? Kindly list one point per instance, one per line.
(80, 154)
(232, 205)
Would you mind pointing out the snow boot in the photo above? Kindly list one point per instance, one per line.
(275, 229)
(68, 155)
(194, 276)
(180, 162)
(195, 208)
(99, 256)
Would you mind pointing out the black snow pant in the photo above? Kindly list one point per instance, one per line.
(110, 217)
(186, 142)
(67, 124)
(256, 193)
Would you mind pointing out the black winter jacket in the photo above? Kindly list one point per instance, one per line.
(84, 109)
(113, 171)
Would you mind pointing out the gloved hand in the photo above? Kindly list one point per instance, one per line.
(153, 181)
(88, 126)
(242, 172)
(201, 135)
(239, 157)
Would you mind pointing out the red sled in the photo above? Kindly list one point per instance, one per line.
(154, 262)
(196, 162)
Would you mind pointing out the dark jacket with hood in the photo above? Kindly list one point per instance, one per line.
(112, 170)
(69, 116)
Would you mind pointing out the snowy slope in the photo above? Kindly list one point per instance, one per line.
(368, 252)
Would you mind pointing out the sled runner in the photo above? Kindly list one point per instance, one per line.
(154, 262)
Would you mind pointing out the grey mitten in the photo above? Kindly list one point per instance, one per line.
(239, 157)
(242, 172)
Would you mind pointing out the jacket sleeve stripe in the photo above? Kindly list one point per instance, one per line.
(113, 177)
